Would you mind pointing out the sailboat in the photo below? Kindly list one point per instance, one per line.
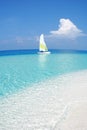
(42, 46)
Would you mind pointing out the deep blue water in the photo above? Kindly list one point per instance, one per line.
(22, 68)
(34, 51)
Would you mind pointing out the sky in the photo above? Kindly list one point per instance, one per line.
(63, 23)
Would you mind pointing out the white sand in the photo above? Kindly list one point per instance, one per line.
(76, 118)
(57, 104)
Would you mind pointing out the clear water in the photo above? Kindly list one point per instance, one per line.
(21, 71)
(37, 92)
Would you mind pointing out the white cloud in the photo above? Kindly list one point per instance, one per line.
(67, 29)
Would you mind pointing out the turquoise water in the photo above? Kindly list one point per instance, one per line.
(21, 71)
(38, 92)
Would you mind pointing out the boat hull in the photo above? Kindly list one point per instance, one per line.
(44, 52)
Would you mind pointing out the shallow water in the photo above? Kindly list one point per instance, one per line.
(37, 90)
(45, 105)
(20, 71)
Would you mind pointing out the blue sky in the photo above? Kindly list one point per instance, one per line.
(63, 23)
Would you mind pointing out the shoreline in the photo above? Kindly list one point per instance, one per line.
(53, 104)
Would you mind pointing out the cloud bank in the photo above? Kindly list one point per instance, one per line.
(67, 29)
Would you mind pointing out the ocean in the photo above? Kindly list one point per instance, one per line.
(35, 90)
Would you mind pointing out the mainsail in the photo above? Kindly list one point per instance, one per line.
(42, 46)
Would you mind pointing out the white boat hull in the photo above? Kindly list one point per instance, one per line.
(44, 52)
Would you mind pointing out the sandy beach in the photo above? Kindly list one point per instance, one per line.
(57, 104)
(76, 119)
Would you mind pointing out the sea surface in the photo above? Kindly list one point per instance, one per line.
(34, 88)
(22, 68)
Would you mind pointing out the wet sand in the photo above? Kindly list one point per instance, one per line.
(59, 103)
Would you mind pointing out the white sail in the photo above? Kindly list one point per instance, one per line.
(42, 46)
